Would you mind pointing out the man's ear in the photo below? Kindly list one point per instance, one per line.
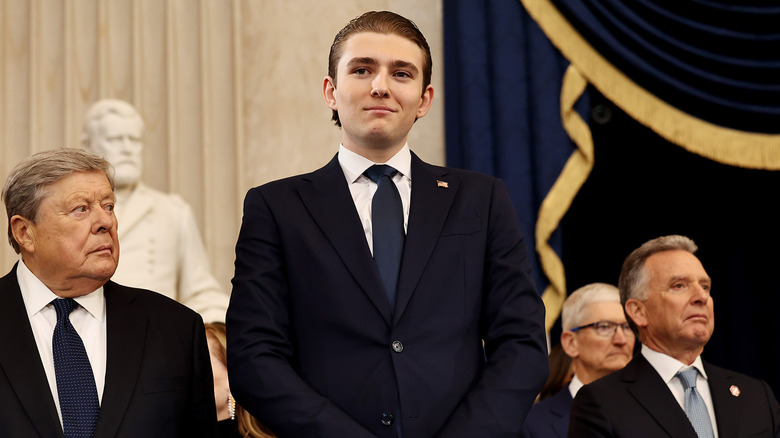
(425, 103)
(23, 232)
(637, 311)
(328, 92)
(569, 344)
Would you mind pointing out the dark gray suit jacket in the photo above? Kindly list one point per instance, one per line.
(549, 418)
(158, 372)
(635, 402)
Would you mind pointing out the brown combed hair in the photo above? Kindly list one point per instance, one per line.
(384, 22)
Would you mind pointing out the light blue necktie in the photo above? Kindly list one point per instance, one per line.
(387, 225)
(79, 403)
(695, 408)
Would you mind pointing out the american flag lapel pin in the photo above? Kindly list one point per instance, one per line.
(442, 184)
(735, 390)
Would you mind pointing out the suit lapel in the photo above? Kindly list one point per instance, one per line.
(430, 205)
(727, 406)
(21, 361)
(133, 210)
(653, 394)
(126, 336)
(327, 198)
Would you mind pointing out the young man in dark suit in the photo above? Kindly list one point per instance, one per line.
(81, 355)
(361, 302)
(668, 390)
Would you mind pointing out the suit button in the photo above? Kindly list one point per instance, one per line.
(387, 419)
(398, 346)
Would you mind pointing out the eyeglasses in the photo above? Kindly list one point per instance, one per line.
(607, 328)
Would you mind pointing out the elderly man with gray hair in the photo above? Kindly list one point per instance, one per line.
(668, 390)
(83, 356)
(598, 339)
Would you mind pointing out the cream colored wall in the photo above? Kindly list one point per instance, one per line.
(230, 91)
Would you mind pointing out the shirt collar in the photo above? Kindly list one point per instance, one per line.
(37, 296)
(354, 164)
(667, 366)
(575, 385)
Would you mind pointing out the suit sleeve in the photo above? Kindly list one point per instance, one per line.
(513, 332)
(260, 350)
(587, 419)
(202, 409)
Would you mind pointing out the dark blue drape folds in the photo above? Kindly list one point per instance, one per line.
(502, 88)
(709, 60)
(716, 60)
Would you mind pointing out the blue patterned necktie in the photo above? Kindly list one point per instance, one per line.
(79, 403)
(695, 408)
(387, 225)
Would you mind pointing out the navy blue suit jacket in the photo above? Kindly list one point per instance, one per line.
(635, 402)
(314, 349)
(549, 418)
(158, 373)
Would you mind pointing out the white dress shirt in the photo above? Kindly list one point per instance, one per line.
(667, 367)
(89, 320)
(362, 188)
(574, 386)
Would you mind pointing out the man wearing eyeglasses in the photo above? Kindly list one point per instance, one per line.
(668, 390)
(598, 339)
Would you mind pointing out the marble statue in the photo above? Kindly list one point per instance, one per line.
(160, 245)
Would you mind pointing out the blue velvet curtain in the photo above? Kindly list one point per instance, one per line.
(716, 60)
(710, 70)
(502, 87)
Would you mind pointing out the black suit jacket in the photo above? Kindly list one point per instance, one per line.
(635, 402)
(158, 373)
(314, 349)
(550, 417)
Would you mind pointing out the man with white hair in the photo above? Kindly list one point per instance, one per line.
(668, 390)
(161, 245)
(598, 339)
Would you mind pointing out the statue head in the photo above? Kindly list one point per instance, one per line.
(113, 130)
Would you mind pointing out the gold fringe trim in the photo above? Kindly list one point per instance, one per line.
(558, 200)
(724, 145)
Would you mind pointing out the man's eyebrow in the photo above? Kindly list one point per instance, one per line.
(366, 60)
(404, 64)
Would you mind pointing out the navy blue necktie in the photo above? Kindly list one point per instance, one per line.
(387, 225)
(79, 403)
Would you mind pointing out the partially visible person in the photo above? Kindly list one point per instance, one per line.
(162, 249)
(599, 341)
(560, 372)
(84, 356)
(233, 420)
(668, 390)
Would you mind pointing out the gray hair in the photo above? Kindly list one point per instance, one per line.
(100, 109)
(574, 307)
(633, 275)
(26, 186)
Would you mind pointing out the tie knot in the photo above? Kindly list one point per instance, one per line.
(377, 171)
(688, 378)
(64, 306)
